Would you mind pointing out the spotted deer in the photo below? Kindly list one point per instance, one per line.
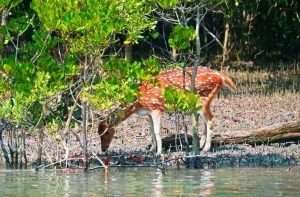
(150, 102)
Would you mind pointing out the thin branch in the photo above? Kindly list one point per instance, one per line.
(212, 35)
(38, 54)
(68, 122)
(100, 160)
(75, 99)
(77, 138)
(27, 26)
(54, 163)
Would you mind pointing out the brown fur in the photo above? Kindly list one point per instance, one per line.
(207, 84)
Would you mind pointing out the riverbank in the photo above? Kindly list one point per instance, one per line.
(257, 103)
(275, 155)
(129, 147)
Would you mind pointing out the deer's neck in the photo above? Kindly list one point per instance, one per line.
(120, 115)
(106, 128)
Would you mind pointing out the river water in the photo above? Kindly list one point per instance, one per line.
(151, 182)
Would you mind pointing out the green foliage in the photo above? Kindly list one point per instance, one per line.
(181, 37)
(150, 67)
(90, 24)
(83, 24)
(31, 83)
(42, 45)
(53, 127)
(4, 89)
(168, 3)
(8, 4)
(119, 84)
(181, 100)
(38, 70)
(17, 24)
(134, 15)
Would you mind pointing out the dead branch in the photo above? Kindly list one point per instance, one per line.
(271, 134)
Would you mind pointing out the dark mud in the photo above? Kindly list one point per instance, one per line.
(275, 155)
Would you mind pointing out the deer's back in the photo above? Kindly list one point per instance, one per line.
(150, 94)
(206, 79)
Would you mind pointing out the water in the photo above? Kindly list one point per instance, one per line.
(151, 182)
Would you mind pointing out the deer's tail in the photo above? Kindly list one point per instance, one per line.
(228, 82)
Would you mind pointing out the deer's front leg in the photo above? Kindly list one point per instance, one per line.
(155, 117)
(204, 133)
(208, 117)
(209, 135)
(206, 137)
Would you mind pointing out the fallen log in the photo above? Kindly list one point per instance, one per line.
(271, 134)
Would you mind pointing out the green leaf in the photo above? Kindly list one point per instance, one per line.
(181, 37)
(182, 100)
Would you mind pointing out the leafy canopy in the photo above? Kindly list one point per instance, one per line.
(31, 82)
(91, 24)
(8, 4)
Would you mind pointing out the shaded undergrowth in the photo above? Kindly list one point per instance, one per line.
(266, 82)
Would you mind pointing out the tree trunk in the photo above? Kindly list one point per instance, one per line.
(5, 153)
(84, 130)
(198, 50)
(128, 52)
(196, 144)
(4, 15)
(40, 146)
(85, 119)
(195, 136)
(16, 147)
(65, 134)
(174, 54)
(224, 56)
(13, 147)
(24, 148)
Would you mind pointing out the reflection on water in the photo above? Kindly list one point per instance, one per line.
(151, 182)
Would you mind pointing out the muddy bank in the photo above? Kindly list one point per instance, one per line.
(276, 155)
(287, 154)
(231, 113)
(247, 156)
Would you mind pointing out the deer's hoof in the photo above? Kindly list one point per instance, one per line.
(206, 148)
(202, 141)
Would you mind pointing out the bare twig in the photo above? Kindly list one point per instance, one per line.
(212, 35)
(39, 53)
(54, 163)
(100, 160)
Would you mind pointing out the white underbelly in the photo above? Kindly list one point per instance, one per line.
(143, 112)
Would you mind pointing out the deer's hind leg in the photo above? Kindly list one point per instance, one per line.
(204, 133)
(206, 139)
(155, 117)
(209, 135)
(206, 136)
